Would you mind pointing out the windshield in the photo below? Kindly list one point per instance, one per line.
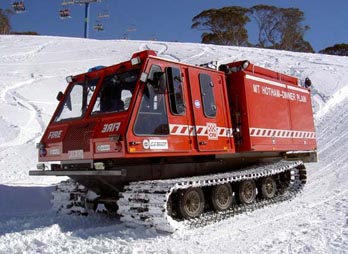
(77, 100)
(116, 92)
(114, 95)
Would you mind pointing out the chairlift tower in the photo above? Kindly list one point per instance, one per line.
(86, 18)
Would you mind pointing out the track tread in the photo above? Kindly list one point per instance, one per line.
(154, 212)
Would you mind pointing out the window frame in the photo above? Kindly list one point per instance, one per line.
(86, 99)
(96, 109)
(141, 107)
(207, 95)
(177, 107)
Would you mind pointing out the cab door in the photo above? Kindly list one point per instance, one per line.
(208, 103)
(160, 117)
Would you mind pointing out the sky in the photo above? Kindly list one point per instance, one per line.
(166, 20)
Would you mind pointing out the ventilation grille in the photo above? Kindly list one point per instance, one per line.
(78, 137)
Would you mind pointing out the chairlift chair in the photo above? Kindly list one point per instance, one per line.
(104, 14)
(98, 27)
(64, 13)
(18, 6)
(132, 28)
(81, 2)
(67, 2)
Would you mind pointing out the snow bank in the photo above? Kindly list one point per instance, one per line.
(33, 70)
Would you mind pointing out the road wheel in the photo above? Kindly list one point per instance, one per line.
(221, 197)
(268, 187)
(191, 203)
(247, 192)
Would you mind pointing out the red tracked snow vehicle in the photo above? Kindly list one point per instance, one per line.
(174, 144)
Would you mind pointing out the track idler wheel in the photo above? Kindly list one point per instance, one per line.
(191, 203)
(303, 174)
(247, 192)
(222, 197)
(268, 187)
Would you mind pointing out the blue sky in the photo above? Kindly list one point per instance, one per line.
(171, 20)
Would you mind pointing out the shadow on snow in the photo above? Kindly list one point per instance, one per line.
(30, 208)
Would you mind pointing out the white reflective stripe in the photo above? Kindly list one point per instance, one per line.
(274, 83)
(275, 133)
(265, 81)
(183, 130)
(199, 130)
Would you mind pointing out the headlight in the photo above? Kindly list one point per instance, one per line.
(135, 60)
(245, 65)
(69, 79)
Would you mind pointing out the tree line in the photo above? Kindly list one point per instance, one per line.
(278, 28)
(5, 25)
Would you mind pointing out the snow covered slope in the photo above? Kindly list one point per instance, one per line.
(33, 70)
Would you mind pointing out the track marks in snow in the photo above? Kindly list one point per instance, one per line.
(6, 90)
(34, 109)
(24, 54)
(10, 96)
(197, 57)
(335, 100)
(161, 49)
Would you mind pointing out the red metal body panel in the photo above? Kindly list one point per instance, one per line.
(275, 113)
(159, 145)
(212, 133)
(191, 133)
(265, 110)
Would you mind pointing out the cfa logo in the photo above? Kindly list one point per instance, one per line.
(55, 134)
(212, 131)
(111, 127)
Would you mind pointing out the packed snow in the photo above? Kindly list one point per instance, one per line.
(33, 71)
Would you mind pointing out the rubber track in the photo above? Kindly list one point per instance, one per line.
(145, 202)
(69, 197)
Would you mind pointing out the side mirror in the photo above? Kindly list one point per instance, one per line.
(59, 96)
(159, 82)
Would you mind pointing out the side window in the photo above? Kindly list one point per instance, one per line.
(73, 103)
(77, 100)
(207, 92)
(175, 90)
(152, 118)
